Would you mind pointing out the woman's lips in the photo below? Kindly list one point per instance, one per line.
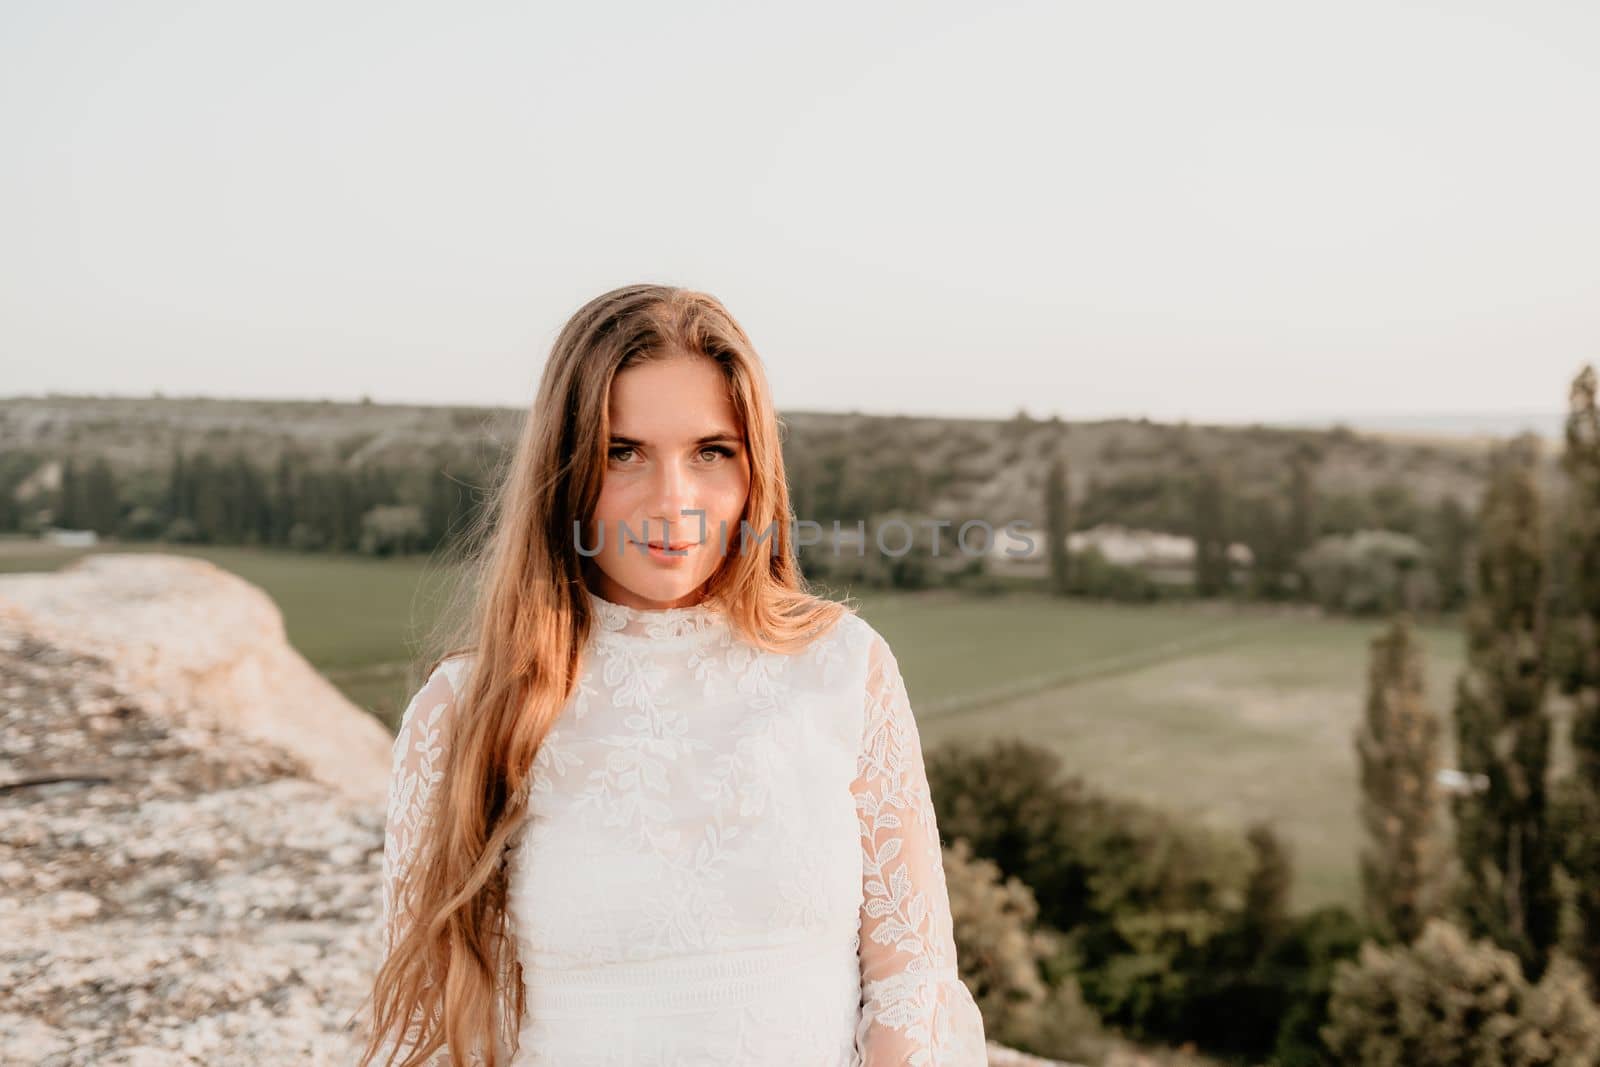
(668, 557)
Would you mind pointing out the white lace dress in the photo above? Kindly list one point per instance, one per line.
(731, 856)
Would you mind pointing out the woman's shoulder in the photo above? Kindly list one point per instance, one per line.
(859, 634)
(855, 642)
(845, 628)
(454, 668)
(439, 689)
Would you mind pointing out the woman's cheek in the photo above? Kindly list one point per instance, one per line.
(729, 510)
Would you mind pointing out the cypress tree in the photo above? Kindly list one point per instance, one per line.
(1302, 500)
(67, 497)
(101, 507)
(1058, 524)
(1397, 745)
(1450, 537)
(1581, 461)
(1502, 730)
(1211, 535)
(207, 504)
(177, 488)
(284, 495)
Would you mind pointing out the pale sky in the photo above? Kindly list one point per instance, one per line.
(1218, 211)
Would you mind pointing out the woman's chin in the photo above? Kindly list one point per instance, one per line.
(663, 588)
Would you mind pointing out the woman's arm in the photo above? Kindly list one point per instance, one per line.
(417, 770)
(915, 1007)
(417, 767)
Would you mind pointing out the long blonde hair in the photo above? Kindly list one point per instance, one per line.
(526, 623)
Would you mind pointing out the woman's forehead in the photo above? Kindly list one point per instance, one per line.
(675, 401)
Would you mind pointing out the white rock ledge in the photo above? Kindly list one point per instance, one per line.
(203, 647)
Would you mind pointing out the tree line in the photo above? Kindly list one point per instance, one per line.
(296, 503)
(1353, 552)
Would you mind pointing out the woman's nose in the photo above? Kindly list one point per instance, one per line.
(672, 496)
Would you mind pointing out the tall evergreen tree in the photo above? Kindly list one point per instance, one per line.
(316, 509)
(1210, 531)
(1502, 729)
(101, 507)
(1302, 500)
(250, 506)
(1058, 524)
(1267, 890)
(284, 494)
(1303, 518)
(178, 498)
(1581, 852)
(350, 503)
(441, 508)
(1261, 520)
(1450, 538)
(204, 490)
(68, 498)
(1398, 748)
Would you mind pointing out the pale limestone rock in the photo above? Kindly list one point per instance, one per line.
(203, 647)
(183, 895)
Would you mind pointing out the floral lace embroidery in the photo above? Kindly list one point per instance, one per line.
(663, 623)
(916, 1009)
(418, 767)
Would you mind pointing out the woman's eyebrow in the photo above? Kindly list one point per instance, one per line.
(720, 435)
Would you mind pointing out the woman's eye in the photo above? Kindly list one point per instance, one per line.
(624, 452)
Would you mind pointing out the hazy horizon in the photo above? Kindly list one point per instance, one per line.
(1547, 423)
(1241, 212)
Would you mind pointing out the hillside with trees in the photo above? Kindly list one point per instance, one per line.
(1326, 515)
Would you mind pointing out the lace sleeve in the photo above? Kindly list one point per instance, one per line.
(418, 768)
(915, 1008)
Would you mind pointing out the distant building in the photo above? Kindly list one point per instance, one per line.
(55, 535)
(1164, 557)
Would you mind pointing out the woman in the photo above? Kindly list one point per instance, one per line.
(662, 805)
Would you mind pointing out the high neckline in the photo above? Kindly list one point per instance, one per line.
(622, 621)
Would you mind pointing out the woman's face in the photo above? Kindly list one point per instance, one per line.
(676, 450)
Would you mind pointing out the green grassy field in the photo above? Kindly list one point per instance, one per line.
(1255, 724)
(1227, 713)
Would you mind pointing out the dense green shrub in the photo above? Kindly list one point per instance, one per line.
(1012, 965)
(1370, 572)
(1092, 575)
(1176, 931)
(1445, 1001)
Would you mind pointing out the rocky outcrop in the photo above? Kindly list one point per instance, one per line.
(201, 646)
(172, 894)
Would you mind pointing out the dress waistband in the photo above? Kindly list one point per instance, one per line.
(685, 983)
